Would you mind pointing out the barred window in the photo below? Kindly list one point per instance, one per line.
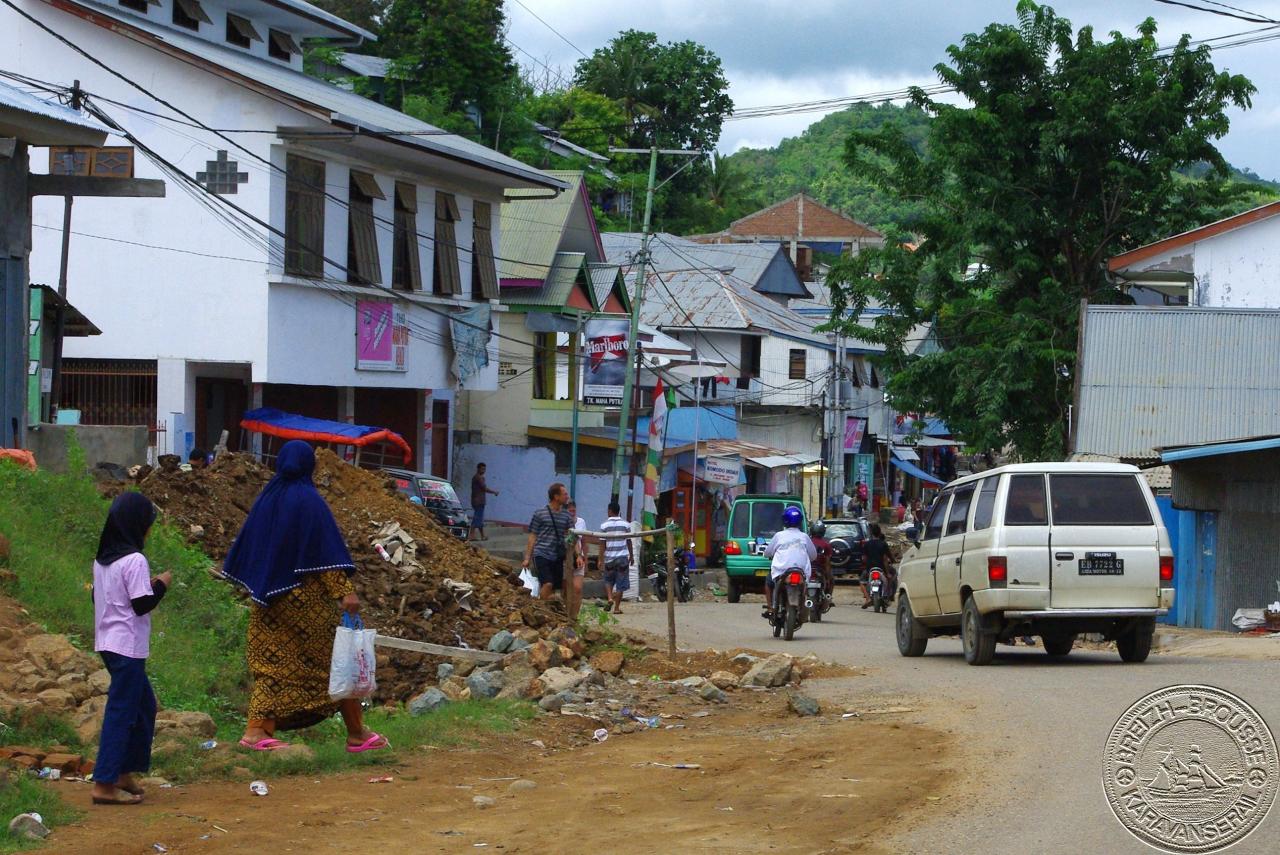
(304, 217)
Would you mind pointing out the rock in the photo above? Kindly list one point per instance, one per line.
(186, 725)
(709, 692)
(483, 802)
(33, 684)
(296, 750)
(25, 826)
(464, 667)
(68, 764)
(567, 637)
(552, 703)
(12, 752)
(592, 635)
(196, 532)
(77, 685)
(55, 701)
(566, 653)
(516, 682)
(771, 673)
(544, 655)
(429, 700)
(100, 681)
(555, 680)
(745, 659)
(532, 617)
(522, 785)
(50, 652)
(485, 684)
(610, 662)
(444, 671)
(724, 680)
(501, 641)
(802, 704)
(155, 782)
(526, 634)
(592, 676)
(455, 688)
(691, 682)
(516, 659)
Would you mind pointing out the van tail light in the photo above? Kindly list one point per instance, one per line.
(795, 578)
(1166, 568)
(732, 548)
(997, 570)
(875, 574)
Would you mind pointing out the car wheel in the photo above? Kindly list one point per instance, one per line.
(1135, 645)
(979, 645)
(911, 641)
(735, 590)
(1058, 643)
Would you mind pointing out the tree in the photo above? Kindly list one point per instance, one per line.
(1062, 155)
(363, 13)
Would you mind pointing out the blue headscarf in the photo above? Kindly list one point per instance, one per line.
(289, 532)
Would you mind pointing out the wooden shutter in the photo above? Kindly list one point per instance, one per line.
(193, 10)
(484, 274)
(447, 276)
(243, 27)
(362, 237)
(304, 216)
(796, 365)
(406, 272)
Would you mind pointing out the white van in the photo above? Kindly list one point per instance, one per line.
(1047, 549)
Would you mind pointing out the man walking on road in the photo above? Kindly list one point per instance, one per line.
(480, 493)
(545, 546)
(617, 558)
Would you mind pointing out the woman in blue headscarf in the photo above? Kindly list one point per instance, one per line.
(292, 561)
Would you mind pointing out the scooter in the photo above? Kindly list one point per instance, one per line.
(880, 588)
(817, 600)
(790, 609)
(684, 585)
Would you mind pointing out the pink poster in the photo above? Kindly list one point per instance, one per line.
(853, 430)
(381, 336)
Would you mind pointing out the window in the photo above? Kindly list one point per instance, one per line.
(484, 274)
(544, 366)
(304, 216)
(281, 46)
(240, 31)
(189, 14)
(362, 237)
(139, 5)
(986, 504)
(875, 378)
(796, 364)
(767, 517)
(1098, 500)
(446, 279)
(1025, 504)
(406, 272)
(933, 530)
(750, 360)
(959, 514)
(741, 526)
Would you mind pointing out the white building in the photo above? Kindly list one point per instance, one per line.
(307, 212)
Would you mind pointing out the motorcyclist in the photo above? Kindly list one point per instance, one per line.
(878, 555)
(818, 534)
(789, 549)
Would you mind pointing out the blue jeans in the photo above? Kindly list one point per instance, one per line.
(128, 722)
(477, 516)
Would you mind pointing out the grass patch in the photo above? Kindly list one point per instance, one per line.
(24, 794)
(454, 724)
(39, 731)
(197, 639)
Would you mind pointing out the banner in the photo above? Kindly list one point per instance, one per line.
(605, 370)
(653, 460)
(382, 336)
(721, 470)
(854, 427)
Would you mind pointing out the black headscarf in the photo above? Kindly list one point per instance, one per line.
(128, 522)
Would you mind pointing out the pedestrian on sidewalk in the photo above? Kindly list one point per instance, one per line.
(617, 558)
(545, 546)
(480, 493)
(124, 594)
(290, 558)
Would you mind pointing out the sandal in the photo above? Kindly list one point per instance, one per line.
(126, 799)
(269, 743)
(372, 742)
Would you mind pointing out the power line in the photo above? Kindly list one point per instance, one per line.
(1250, 17)
(562, 36)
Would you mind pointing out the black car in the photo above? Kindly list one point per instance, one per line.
(436, 496)
(848, 539)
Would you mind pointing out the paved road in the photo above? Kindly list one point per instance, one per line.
(1032, 730)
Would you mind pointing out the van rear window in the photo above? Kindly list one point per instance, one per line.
(1098, 500)
(768, 517)
(741, 520)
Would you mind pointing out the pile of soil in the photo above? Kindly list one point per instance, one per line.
(410, 602)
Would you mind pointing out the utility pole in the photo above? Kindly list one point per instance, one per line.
(60, 316)
(575, 389)
(641, 261)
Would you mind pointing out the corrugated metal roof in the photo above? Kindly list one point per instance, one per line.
(603, 278)
(1153, 378)
(363, 64)
(311, 11)
(555, 289)
(346, 107)
(533, 226)
(74, 124)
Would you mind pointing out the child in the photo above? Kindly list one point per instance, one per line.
(123, 596)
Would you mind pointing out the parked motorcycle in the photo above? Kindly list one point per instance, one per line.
(881, 588)
(790, 593)
(684, 584)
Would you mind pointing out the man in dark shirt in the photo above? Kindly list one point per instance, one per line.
(545, 546)
(878, 555)
(480, 493)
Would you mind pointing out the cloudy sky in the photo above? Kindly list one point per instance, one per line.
(782, 51)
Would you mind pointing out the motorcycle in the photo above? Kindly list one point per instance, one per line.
(881, 589)
(684, 585)
(817, 600)
(790, 608)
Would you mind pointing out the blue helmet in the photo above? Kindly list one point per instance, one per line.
(791, 517)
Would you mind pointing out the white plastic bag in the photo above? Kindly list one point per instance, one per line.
(351, 669)
(530, 581)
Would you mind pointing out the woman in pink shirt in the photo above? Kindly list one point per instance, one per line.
(124, 593)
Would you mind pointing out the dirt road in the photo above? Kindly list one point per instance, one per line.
(1029, 732)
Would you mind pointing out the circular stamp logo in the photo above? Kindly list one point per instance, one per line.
(1190, 769)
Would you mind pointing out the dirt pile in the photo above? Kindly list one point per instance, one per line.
(421, 598)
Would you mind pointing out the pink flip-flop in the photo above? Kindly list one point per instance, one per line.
(373, 742)
(267, 744)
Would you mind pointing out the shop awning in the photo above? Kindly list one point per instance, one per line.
(915, 471)
(773, 461)
(903, 453)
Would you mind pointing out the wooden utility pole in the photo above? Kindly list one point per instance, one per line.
(570, 564)
(671, 591)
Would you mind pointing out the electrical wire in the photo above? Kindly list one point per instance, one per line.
(562, 36)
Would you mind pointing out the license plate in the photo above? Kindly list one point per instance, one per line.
(1101, 564)
(762, 572)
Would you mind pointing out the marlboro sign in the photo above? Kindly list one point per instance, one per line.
(605, 370)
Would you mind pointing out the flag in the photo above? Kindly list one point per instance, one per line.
(653, 461)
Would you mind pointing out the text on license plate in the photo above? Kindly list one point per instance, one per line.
(1101, 564)
(762, 572)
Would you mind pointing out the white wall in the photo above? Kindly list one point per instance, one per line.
(521, 475)
(780, 388)
(1238, 269)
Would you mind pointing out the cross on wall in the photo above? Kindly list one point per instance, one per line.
(221, 175)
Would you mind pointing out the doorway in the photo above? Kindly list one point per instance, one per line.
(220, 404)
(440, 439)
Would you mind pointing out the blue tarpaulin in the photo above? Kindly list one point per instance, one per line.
(916, 471)
(278, 423)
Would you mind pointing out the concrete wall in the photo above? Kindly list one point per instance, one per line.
(1236, 269)
(521, 476)
(125, 445)
(1245, 491)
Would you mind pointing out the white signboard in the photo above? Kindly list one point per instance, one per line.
(605, 371)
(721, 470)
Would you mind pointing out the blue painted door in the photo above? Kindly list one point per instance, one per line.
(1206, 566)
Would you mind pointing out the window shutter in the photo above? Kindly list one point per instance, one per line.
(244, 27)
(406, 271)
(304, 216)
(368, 186)
(362, 236)
(448, 277)
(484, 271)
(192, 9)
(284, 42)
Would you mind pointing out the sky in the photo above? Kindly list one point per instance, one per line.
(781, 52)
